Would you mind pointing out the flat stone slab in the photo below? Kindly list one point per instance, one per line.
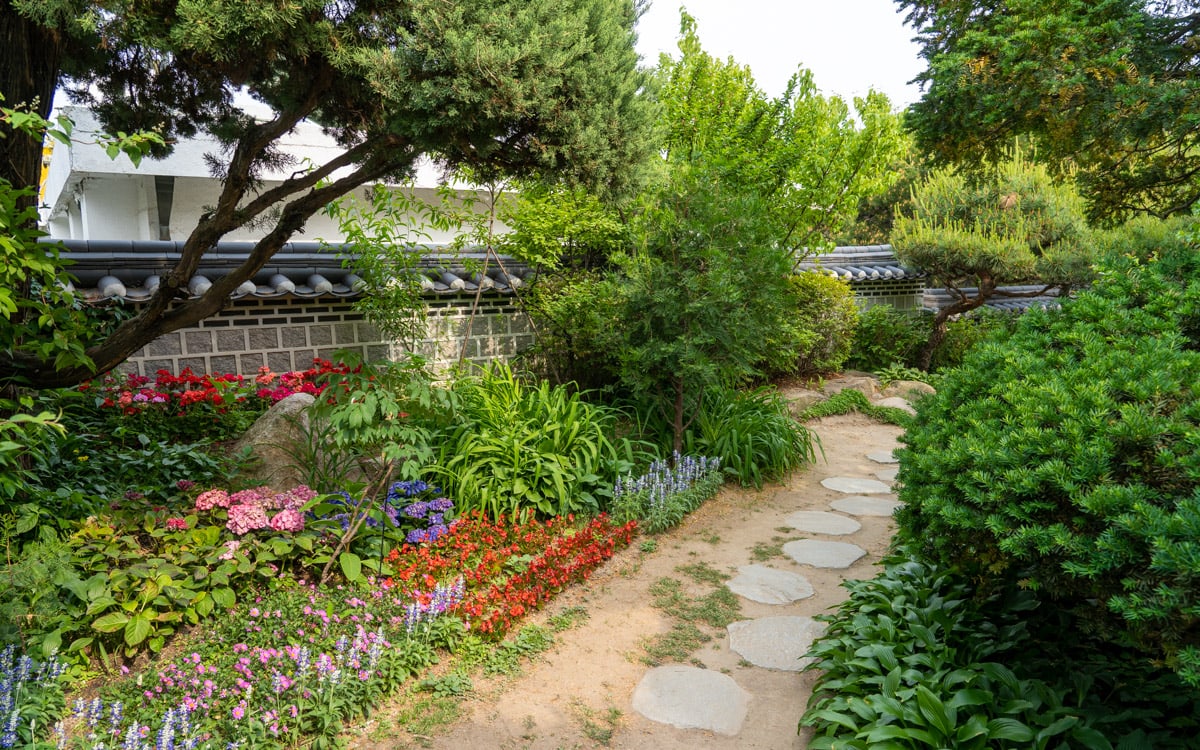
(822, 554)
(897, 403)
(854, 485)
(759, 583)
(692, 698)
(866, 506)
(883, 457)
(775, 642)
(887, 475)
(820, 522)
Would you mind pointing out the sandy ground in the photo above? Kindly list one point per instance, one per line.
(592, 669)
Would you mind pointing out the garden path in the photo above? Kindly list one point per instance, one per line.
(740, 690)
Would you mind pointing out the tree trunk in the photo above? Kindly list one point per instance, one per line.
(938, 334)
(678, 424)
(30, 60)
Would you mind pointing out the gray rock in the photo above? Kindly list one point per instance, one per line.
(854, 485)
(820, 522)
(907, 389)
(883, 457)
(270, 439)
(897, 403)
(775, 642)
(887, 475)
(691, 698)
(822, 554)
(861, 382)
(866, 506)
(799, 399)
(765, 585)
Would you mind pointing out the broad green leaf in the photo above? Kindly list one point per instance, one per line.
(351, 565)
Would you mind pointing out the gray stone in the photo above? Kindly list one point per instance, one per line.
(896, 403)
(854, 485)
(692, 698)
(822, 554)
(271, 438)
(866, 506)
(861, 382)
(887, 475)
(799, 399)
(775, 642)
(907, 389)
(820, 522)
(765, 585)
(883, 457)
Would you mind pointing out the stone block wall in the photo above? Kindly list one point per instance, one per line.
(902, 294)
(287, 333)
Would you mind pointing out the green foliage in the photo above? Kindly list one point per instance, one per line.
(574, 315)
(886, 336)
(821, 326)
(1010, 223)
(850, 401)
(752, 433)
(1109, 86)
(384, 409)
(556, 227)
(1065, 454)
(518, 449)
(660, 498)
(916, 658)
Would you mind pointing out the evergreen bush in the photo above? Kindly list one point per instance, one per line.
(822, 326)
(886, 336)
(1065, 454)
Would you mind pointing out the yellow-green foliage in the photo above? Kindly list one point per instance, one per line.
(821, 329)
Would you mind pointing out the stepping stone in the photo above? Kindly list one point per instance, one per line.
(759, 583)
(821, 554)
(883, 457)
(854, 485)
(866, 506)
(887, 475)
(691, 698)
(775, 642)
(820, 522)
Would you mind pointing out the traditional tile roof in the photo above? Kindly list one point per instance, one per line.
(130, 270)
(859, 263)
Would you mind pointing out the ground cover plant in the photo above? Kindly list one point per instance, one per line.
(660, 498)
(919, 657)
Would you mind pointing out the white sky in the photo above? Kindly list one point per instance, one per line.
(849, 45)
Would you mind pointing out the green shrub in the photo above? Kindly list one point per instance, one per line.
(967, 331)
(821, 328)
(572, 315)
(752, 433)
(886, 336)
(519, 449)
(1066, 454)
(918, 658)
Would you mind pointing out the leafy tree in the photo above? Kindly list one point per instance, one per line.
(504, 86)
(1110, 85)
(748, 184)
(1011, 223)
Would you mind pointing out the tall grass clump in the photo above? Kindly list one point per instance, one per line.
(752, 433)
(518, 449)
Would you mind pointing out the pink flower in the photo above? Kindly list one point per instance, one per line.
(177, 524)
(288, 520)
(230, 548)
(239, 710)
(243, 518)
(212, 499)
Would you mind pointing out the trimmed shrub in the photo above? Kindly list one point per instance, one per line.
(1066, 455)
(886, 336)
(821, 329)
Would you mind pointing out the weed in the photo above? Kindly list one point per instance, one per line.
(454, 684)
(423, 715)
(599, 730)
(648, 546)
(675, 645)
(712, 539)
(763, 552)
(567, 619)
(703, 573)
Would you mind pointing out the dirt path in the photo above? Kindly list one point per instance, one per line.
(578, 694)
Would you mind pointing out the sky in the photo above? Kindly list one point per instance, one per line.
(850, 46)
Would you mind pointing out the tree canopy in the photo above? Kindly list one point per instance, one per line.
(516, 87)
(1109, 86)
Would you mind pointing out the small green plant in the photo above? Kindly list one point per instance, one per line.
(567, 619)
(886, 336)
(648, 546)
(599, 730)
(451, 685)
(716, 609)
(897, 371)
(850, 401)
(763, 551)
(660, 498)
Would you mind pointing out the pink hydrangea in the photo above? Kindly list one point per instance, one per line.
(299, 495)
(212, 499)
(255, 496)
(288, 519)
(247, 517)
(177, 524)
(230, 548)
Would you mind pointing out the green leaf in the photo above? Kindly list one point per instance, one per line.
(111, 623)
(138, 628)
(351, 565)
(1008, 729)
(224, 597)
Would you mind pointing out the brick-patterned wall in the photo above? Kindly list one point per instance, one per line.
(287, 334)
(902, 294)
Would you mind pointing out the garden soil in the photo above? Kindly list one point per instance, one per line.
(578, 693)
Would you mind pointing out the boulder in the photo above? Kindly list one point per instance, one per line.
(799, 399)
(862, 382)
(897, 403)
(272, 440)
(907, 389)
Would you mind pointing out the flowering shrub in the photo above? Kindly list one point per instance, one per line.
(247, 510)
(30, 696)
(660, 498)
